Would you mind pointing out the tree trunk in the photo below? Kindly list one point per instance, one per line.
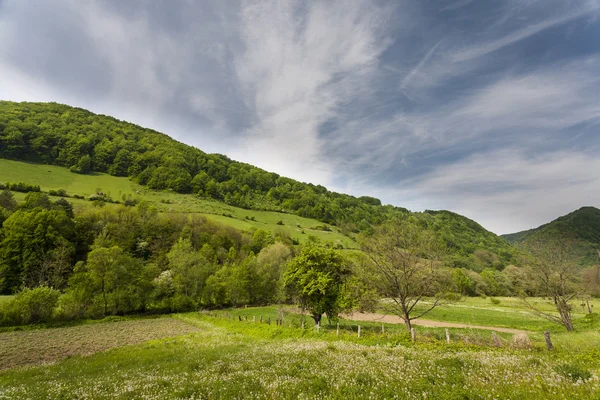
(407, 322)
(317, 318)
(565, 314)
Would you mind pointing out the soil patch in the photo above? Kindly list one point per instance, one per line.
(48, 345)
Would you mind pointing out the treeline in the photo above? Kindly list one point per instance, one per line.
(57, 134)
(120, 260)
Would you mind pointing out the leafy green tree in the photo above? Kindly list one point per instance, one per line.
(110, 276)
(7, 200)
(121, 163)
(260, 240)
(29, 240)
(190, 269)
(316, 278)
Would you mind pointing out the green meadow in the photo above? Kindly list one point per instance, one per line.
(50, 177)
(232, 354)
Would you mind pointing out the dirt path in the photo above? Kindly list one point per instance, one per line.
(393, 319)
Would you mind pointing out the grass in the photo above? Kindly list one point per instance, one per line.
(227, 358)
(54, 177)
(509, 313)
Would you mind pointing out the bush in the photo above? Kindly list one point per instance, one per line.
(22, 187)
(58, 193)
(494, 300)
(31, 306)
(280, 222)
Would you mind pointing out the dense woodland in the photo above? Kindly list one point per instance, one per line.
(582, 225)
(129, 258)
(51, 133)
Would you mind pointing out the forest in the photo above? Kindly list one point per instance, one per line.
(56, 134)
(129, 258)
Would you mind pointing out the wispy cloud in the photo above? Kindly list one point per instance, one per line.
(478, 50)
(405, 100)
(526, 190)
(296, 70)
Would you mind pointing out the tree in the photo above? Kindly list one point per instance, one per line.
(316, 278)
(190, 269)
(556, 276)
(113, 277)
(405, 262)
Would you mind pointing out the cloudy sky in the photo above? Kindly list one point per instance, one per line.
(487, 108)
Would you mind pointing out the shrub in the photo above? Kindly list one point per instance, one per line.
(31, 306)
(58, 193)
(494, 300)
(22, 187)
(280, 222)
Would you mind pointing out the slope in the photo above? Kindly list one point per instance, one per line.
(94, 146)
(582, 226)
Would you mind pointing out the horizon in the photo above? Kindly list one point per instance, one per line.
(488, 111)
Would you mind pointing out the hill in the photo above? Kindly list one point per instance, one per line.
(582, 226)
(98, 149)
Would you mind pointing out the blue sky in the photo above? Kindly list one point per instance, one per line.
(487, 108)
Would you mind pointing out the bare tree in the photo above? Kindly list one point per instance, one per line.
(557, 277)
(405, 266)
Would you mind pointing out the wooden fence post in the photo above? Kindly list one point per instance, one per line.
(447, 336)
(359, 331)
(302, 324)
(382, 329)
(337, 331)
(261, 319)
(412, 334)
(548, 341)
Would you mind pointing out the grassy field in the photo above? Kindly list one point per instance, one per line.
(228, 358)
(53, 177)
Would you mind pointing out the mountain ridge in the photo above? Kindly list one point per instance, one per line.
(581, 226)
(84, 142)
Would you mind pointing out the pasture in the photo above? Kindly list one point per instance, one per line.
(53, 177)
(232, 354)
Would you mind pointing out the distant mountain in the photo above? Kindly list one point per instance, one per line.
(581, 226)
(84, 142)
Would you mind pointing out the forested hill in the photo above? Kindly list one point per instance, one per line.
(57, 134)
(581, 226)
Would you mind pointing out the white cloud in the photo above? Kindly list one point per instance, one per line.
(508, 190)
(301, 62)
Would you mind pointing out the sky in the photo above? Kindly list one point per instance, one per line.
(490, 108)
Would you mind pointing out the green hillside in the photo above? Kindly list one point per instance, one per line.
(62, 147)
(581, 226)
(51, 177)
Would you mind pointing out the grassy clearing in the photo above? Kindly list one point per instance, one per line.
(53, 177)
(508, 313)
(22, 348)
(233, 359)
